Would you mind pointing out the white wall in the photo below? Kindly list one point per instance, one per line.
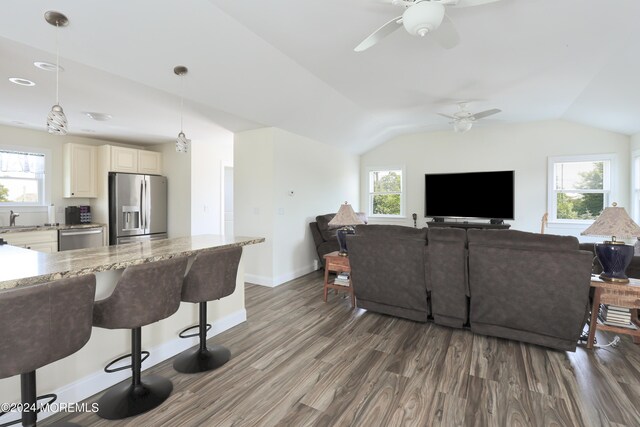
(635, 142)
(177, 168)
(208, 159)
(524, 148)
(269, 163)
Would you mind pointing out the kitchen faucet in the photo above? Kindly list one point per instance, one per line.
(12, 218)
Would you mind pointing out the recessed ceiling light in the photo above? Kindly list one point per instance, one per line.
(101, 117)
(21, 82)
(47, 66)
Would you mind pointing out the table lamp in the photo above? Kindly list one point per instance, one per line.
(346, 218)
(614, 256)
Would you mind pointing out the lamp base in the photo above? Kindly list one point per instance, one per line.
(614, 258)
(341, 234)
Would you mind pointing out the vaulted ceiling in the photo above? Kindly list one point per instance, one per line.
(291, 64)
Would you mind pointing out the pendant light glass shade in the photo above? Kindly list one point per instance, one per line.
(56, 120)
(182, 143)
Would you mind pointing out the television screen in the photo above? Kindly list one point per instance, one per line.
(487, 195)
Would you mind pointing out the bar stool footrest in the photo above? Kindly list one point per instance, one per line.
(108, 370)
(195, 360)
(195, 334)
(126, 400)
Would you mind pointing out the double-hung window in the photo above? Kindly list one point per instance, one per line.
(22, 178)
(579, 187)
(386, 192)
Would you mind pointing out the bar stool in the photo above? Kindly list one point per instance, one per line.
(39, 325)
(144, 294)
(212, 276)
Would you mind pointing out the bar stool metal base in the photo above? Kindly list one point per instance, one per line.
(126, 400)
(196, 360)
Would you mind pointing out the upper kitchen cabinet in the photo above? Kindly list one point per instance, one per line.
(80, 170)
(149, 162)
(124, 159)
(131, 160)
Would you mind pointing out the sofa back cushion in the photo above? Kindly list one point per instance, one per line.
(389, 270)
(528, 282)
(388, 230)
(522, 239)
(447, 275)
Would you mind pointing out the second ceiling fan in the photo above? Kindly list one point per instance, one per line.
(420, 18)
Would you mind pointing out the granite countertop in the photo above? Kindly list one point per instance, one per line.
(23, 228)
(20, 267)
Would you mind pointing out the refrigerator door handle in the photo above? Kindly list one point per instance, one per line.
(146, 206)
(142, 204)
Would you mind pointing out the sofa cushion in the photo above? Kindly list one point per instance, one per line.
(323, 225)
(522, 239)
(388, 230)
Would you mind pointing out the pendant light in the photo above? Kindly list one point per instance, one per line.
(56, 120)
(182, 143)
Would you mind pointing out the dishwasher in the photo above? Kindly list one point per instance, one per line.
(80, 238)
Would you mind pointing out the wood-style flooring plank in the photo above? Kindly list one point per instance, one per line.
(298, 361)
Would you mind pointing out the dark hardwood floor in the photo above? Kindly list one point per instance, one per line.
(298, 361)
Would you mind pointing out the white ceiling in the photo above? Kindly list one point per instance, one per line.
(291, 64)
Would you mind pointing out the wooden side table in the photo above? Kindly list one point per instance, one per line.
(622, 295)
(338, 264)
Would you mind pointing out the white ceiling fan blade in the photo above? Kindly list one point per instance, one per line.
(379, 34)
(446, 35)
(448, 117)
(486, 113)
(469, 3)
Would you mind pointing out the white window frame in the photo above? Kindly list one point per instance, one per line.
(44, 184)
(403, 190)
(609, 181)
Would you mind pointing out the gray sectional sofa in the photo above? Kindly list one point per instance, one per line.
(510, 284)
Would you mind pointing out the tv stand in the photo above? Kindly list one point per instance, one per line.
(467, 225)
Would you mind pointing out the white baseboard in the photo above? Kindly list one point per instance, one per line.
(272, 282)
(99, 381)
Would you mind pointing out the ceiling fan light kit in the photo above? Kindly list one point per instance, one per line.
(422, 18)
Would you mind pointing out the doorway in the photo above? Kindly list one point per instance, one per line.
(228, 201)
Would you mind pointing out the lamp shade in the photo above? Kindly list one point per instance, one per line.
(345, 217)
(613, 221)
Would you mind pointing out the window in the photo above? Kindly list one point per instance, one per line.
(635, 191)
(579, 187)
(21, 178)
(386, 192)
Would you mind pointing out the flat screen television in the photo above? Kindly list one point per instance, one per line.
(485, 195)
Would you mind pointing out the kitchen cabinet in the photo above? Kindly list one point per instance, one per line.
(41, 241)
(131, 160)
(149, 162)
(124, 159)
(80, 170)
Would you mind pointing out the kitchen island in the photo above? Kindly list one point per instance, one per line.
(19, 267)
(80, 375)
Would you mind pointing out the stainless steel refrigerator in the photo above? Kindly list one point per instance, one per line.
(137, 207)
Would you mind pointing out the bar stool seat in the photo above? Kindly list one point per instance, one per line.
(144, 294)
(212, 276)
(41, 324)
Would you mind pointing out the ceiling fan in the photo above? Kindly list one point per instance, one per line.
(463, 119)
(420, 18)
